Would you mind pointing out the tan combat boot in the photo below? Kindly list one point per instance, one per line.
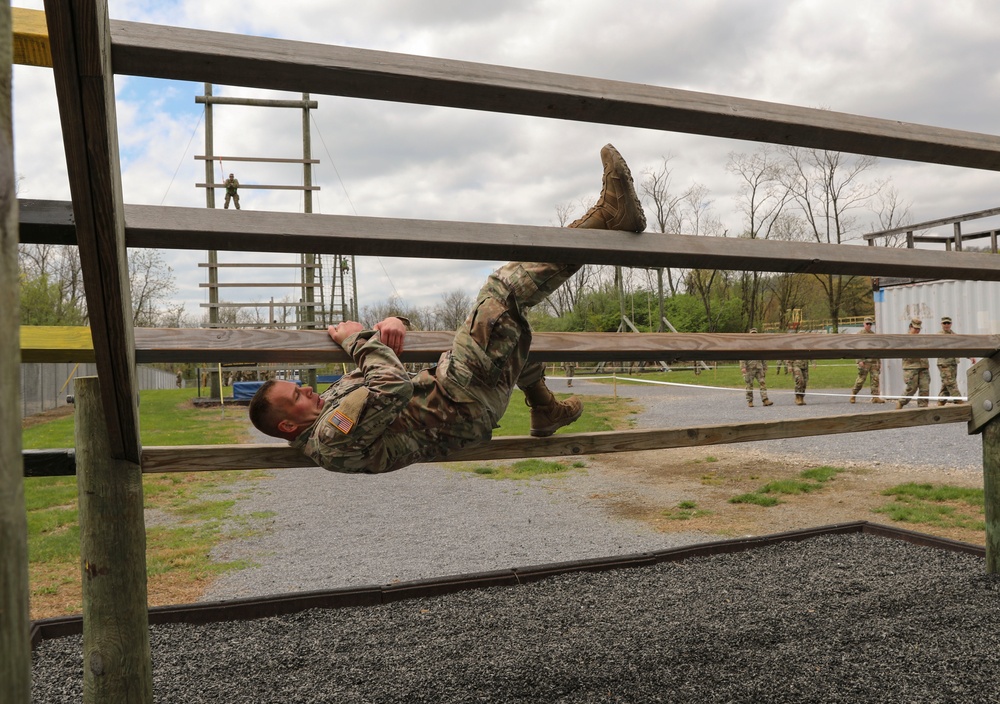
(618, 208)
(852, 398)
(749, 404)
(547, 413)
(799, 401)
(942, 403)
(768, 402)
(876, 399)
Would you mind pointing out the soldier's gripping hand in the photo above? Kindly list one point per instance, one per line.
(392, 332)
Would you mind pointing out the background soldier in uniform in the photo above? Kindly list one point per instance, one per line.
(232, 186)
(948, 368)
(568, 369)
(800, 374)
(378, 419)
(755, 369)
(868, 366)
(916, 374)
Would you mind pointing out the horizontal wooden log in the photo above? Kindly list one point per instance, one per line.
(261, 159)
(927, 224)
(263, 456)
(259, 62)
(73, 344)
(260, 186)
(262, 231)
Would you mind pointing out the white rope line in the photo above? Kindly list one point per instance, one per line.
(743, 391)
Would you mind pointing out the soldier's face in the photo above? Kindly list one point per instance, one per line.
(299, 405)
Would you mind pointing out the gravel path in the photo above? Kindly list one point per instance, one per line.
(851, 618)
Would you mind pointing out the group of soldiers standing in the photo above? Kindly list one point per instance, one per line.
(916, 374)
(756, 370)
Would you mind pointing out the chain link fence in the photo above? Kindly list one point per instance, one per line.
(46, 386)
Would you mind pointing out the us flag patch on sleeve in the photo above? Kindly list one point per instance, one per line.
(341, 422)
(345, 416)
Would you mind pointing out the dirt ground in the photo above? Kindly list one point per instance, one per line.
(648, 486)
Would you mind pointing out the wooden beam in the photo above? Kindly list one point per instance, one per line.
(31, 38)
(262, 231)
(238, 60)
(926, 225)
(264, 456)
(262, 159)
(81, 53)
(74, 344)
(260, 187)
(15, 651)
(116, 658)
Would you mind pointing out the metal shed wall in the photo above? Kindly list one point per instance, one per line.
(974, 307)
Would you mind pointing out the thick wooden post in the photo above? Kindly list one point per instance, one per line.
(116, 656)
(991, 491)
(15, 650)
(984, 401)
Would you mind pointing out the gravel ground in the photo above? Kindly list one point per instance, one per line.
(833, 619)
(851, 618)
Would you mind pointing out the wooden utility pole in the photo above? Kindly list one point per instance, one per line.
(116, 655)
(215, 383)
(15, 651)
(984, 399)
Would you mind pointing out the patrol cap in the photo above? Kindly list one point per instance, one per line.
(945, 319)
(753, 329)
(916, 323)
(870, 320)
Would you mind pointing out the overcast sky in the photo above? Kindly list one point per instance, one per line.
(922, 61)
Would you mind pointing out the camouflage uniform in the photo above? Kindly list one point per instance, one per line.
(232, 187)
(917, 378)
(948, 369)
(455, 405)
(755, 369)
(800, 374)
(869, 366)
(568, 369)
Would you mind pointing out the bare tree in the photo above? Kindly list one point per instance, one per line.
(656, 186)
(452, 311)
(890, 213)
(762, 199)
(152, 284)
(829, 188)
(394, 306)
(564, 299)
(786, 289)
(698, 218)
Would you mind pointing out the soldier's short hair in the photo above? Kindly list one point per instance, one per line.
(263, 413)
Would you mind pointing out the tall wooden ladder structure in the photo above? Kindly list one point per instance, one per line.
(88, 49)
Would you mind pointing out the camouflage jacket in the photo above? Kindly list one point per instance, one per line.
(754, 364)
(379, 418)
(916, 363)
(867, 359)
(947, 361)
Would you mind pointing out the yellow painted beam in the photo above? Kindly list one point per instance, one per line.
(49, 343)
(31, 38)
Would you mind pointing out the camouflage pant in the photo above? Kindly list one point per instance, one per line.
(758, 374)
(949, 380)
(801, 377)
(866, 368)
(490, 352)
(917, 381)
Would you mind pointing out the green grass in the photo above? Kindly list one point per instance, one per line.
(522, 469)
(827, 374)
(600, 413)
(685, 511)
(809, 480)
(941, 506)
(166, 417)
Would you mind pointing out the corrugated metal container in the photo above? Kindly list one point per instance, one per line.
(974, 307)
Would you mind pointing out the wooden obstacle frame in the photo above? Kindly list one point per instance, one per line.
(86, 49)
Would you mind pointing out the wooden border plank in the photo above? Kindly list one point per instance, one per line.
(202, 228)
(31, 38)
(260, 62)
(266, 456)
(74, 344)
(81, 48)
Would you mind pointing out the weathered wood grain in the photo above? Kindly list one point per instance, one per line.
(261, 231)
(237, 60)
(81, 53)
(262, 456)
(73, 344)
